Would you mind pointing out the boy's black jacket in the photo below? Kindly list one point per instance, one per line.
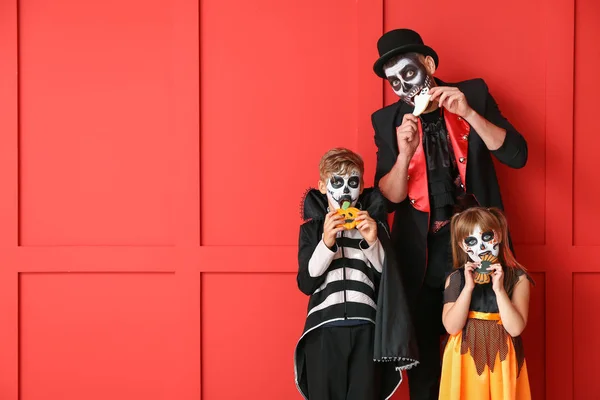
(394, 335)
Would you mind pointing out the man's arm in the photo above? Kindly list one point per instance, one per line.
(492, 135)
(513, 150)
(393, 181)
(499, 136)
(394, 185)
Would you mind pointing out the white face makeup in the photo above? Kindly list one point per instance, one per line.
(408, 77)
(480, 243)
(343, 188)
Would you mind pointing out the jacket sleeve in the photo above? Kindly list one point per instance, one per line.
(385, 162)
(513, 151)
(375, 253)
(310, 237)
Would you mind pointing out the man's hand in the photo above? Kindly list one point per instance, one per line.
(331, 227)
(408, 137)
(452, 99)
(367, 227)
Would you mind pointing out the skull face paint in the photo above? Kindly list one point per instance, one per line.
(480, 243)
(343, 188)
(408, 77)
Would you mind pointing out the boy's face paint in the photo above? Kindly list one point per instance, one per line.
(408, 77)
(480, 243)
(343, 188)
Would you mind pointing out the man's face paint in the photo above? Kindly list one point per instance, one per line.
(408, 77)
(480, 243)
(343, 188)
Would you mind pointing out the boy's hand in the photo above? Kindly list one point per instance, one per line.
(331, 229)
(367, 227)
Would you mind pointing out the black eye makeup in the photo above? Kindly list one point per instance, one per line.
(336, 182)
(354, 182)
(487, 236)
(470, 241)
(409, 73)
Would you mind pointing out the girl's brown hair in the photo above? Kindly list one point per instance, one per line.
(488, 219)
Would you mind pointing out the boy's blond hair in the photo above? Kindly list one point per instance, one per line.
(340, 161)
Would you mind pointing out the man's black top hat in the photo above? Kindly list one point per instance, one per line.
(400, 41)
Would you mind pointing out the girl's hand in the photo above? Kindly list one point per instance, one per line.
(497, 277)
(469, 268)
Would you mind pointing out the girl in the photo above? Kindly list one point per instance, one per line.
(486, 301)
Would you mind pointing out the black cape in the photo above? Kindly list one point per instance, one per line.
(395, 340)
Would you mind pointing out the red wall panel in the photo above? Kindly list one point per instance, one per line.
(95, 116)
(586, 214)
(585, 335)
(278, 90)
(534, 337)
(248, 340)
(91, 336)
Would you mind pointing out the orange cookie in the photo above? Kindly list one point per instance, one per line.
(349, 214)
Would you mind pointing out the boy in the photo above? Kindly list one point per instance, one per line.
(357, 314)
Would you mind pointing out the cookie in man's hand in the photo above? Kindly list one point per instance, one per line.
(421, 102)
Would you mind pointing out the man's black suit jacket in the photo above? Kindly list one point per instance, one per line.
(410, 227)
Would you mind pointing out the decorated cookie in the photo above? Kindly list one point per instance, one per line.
(482, 275)
(349, 214)
(421, 102)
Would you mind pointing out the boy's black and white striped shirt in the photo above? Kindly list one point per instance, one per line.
(349, 275)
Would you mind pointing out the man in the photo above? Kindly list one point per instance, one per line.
(429, 166)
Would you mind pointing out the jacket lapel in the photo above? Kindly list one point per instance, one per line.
(392, 141)
(459, 131)
(418, 187)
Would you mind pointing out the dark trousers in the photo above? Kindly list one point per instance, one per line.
(339, 364)
(424, 380)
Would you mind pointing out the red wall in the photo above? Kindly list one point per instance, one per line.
(153, 155)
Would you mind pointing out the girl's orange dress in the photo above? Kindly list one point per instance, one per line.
(483, 361)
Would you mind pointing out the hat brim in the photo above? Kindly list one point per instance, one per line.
(411, 48)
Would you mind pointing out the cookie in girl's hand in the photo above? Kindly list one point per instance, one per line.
(482, 275)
